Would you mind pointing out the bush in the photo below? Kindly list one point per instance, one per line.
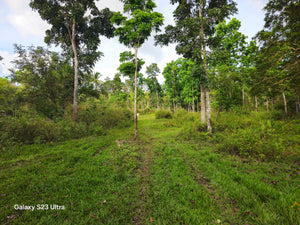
(93, 119)
(257, 135)
(194, 131)
(163, 114)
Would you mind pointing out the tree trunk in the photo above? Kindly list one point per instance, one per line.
(219, 111)
(243, 95)
(267, 104)
(297, 105)
(193, 100)
(208, 111)
(75, 97)
(284, 102)
(202, 103)
(157, 100)
(135, 93)
(255, 103)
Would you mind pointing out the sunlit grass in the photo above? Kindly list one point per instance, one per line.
(159, 179)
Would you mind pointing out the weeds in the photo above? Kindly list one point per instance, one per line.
(158, 179)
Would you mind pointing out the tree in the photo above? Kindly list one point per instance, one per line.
(173, 82)
(195, 21)
(189, 82)
(278, 61)
(127, 68)
(46, 77)
(154, 87)
(226, 63)
(135, 30)
(8, 97)
(75, 26)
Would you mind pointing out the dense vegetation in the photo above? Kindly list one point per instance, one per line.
(218, 141)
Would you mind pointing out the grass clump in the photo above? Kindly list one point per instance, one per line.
(258, 135)
(163, 114)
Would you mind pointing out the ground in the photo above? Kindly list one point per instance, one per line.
(158, 179)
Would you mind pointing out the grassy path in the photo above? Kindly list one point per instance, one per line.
(159, 179)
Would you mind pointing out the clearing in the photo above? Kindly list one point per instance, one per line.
(159, 179)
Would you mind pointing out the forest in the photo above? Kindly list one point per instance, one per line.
(218, 142)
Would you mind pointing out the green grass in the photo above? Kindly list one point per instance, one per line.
(159, 179)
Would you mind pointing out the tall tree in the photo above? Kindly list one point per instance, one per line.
(194, 23)
(278, 63)
(173, 81)
(227, 51)
(154, 87)
(134, 30)
(75, 26)
(127, 68)
(46, 77)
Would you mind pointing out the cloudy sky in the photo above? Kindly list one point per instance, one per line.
(20, 25)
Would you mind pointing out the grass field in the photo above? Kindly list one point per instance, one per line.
(158, 179)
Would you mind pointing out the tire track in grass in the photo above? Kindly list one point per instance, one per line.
(145, 150)
(146, 160)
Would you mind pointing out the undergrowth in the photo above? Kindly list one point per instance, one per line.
(251, 134)
(94, 118)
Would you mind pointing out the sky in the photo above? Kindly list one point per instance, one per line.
(20, 25)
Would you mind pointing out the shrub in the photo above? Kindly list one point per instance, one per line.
(163, 114)
(194, 131)
(257, 135)
(93, 119)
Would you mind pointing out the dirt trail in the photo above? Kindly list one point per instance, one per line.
(145, 155)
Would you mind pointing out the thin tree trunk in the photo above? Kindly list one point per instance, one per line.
(135, 93)
(284, 101)
(255, 103)
(219, 111)
(174, 103)
(157, 100)
(202, 103)
(75, 97)
(297, 105)
(243, 95)
(193, 100)
(208, 111)
(267, 104)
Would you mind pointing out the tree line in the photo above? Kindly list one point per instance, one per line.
(219, 69)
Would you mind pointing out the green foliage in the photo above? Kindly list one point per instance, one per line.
(188, 25)
(157, 179)
(258, 135)
(278, 61)
(46, 79)
(134, 31)
(153, 85)
(94, 118)
(191, 126)
(163, 114)
(88, 23)
(9, 96)
(127, 68)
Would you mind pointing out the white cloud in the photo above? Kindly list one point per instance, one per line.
(258, 4)
(26, 21)
(6, 63)
(113, 5)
